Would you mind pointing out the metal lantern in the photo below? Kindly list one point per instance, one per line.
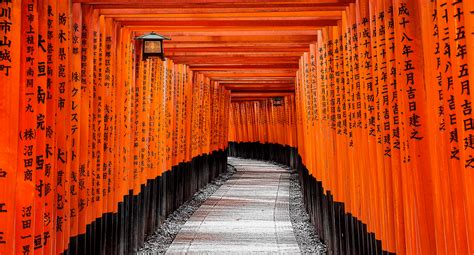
(277, 101)
(152, 45)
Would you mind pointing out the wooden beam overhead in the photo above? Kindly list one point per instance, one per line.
(250, 47)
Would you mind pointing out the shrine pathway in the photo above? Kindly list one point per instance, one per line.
(248, 213)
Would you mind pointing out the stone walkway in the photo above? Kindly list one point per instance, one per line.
(248, 214)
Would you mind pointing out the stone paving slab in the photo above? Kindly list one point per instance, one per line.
(248, 214)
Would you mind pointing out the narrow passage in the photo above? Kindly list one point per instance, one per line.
(249, 213)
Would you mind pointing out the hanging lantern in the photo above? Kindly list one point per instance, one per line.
(152, 45)
(277, 101)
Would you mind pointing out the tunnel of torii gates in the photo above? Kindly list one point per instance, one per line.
(98, 145)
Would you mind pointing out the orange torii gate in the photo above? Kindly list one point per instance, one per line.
(98, 145)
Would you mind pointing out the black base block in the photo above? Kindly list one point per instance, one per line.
(124, 232)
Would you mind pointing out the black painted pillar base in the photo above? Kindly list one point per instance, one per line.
(124, 231)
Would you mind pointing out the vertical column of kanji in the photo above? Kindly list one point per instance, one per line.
(378, 83)
(83, 208)
(207, 103)
(152, 126)
(385, 123)
(346, 128)
(355, 119)
(134, 178)
(326, 101)
(194, 115)
(144, 148)
(162, 116)
(115, 174)
(383, 128)
(340, 115)
(92, 65)
(219, 109)
(226, 116)
(119, 72)
(412, 85)
(120, 67)
(164, 124)
(143, 126)
(212, 106)
(306, 85)
(402, 132)
(285, 133)
(179, 113)
(393, 135)
(40, 116)
(317, 169)
(170, 90)
(465, 121)
(357, 39)
(297, 110)
(469, 175)
(10, 17)
(339, 155)
(103, 130)
(25, 181)
(449, 108)
(109, 129)
(182, 118)
(188, 99)
(98, 128)
(327, 126)
(332, 141)
(221, 118)
(303, 98)
(50, 171)
(201, 115)
(368, 58)
(153, 88)
(91, 69)
(308, 81)
(75, 128)
(137, 99)
(290, 111)
(64, 141)
(128, 105)
(436, 131)
(174, 114)
(384, 97)
(300, 86)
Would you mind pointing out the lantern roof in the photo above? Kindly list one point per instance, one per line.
(153, 36)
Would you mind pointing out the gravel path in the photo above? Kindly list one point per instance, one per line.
(161, 239)
(304, 232)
